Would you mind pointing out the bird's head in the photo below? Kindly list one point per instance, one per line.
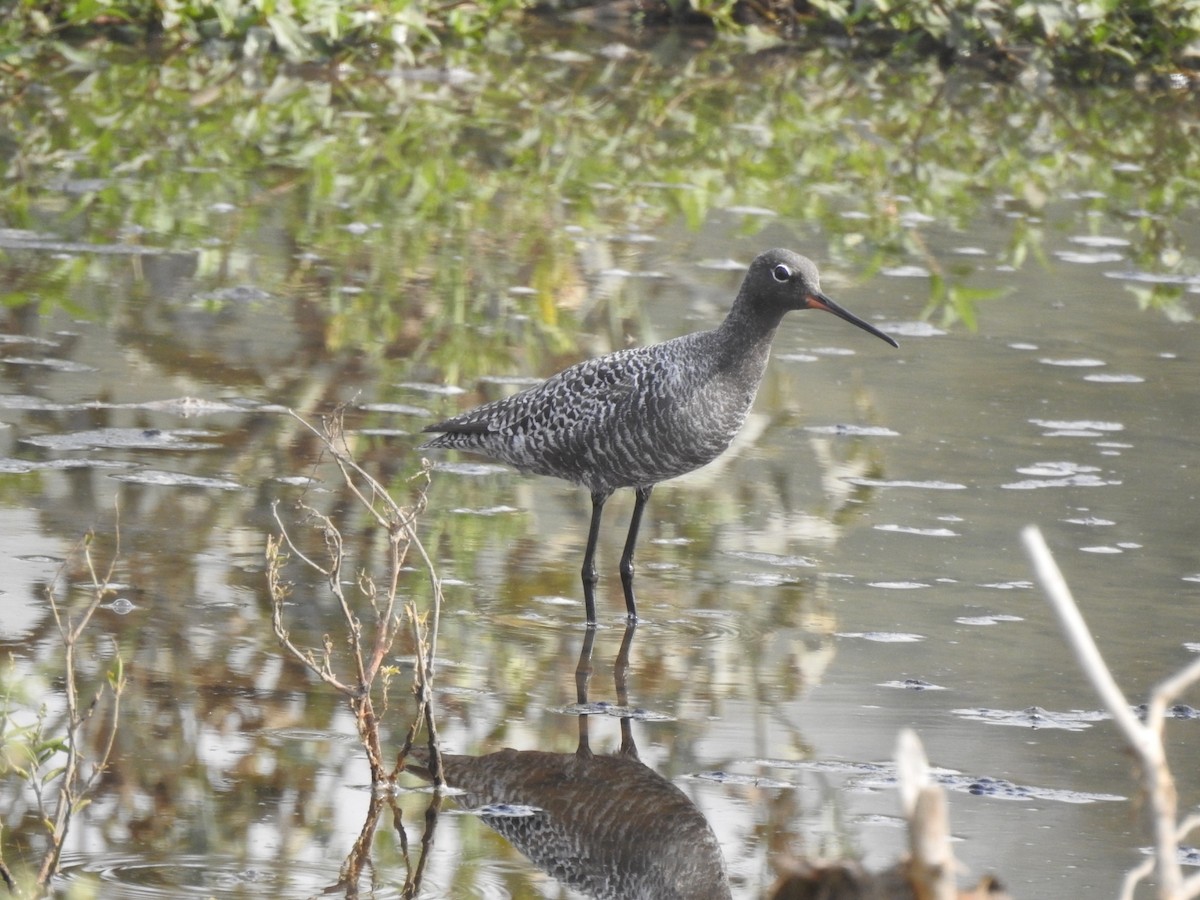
(779, 281)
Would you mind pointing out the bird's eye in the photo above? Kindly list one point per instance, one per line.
(781, 273)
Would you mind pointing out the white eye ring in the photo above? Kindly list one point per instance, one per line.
(781, 273)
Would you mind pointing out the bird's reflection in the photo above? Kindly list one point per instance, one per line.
(606, 825)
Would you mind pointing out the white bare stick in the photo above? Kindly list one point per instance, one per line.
(931, 868)
(1146, 739)
(1134, 876)
(1166, 692)
(1079, 638)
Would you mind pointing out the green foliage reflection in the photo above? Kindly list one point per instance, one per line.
(403, 206)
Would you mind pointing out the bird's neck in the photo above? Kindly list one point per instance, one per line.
(746, 334)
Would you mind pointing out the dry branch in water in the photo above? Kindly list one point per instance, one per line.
(1146, 738)
(931, 865)
(368, 639)
(57, 768)
(930, 871)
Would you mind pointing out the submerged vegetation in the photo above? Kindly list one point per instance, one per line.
(419, 134)
(393, 180)
(1084, 42)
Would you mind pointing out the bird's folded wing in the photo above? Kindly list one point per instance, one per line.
(576, 393)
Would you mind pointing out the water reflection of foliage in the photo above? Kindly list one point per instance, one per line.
(1086, 43)
(406, 207)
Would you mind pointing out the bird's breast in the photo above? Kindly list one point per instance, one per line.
(664, 431)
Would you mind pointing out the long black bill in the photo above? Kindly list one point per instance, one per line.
(820, 301)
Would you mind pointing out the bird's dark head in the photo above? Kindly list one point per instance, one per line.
(779, 281)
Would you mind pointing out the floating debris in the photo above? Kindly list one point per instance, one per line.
(1082, 362)
(993, 619)
(734, 778)
(843, 430)
(1034, 717)
(125, 439)
(882, 637)
(772, 559)
(923, 532)
(913, 684)
(499, 510)
(471, 469)
(886, 483)
(176, 479)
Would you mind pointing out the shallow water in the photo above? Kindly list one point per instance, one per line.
(851, 568)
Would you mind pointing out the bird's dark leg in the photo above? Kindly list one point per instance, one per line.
(620, 681)
(583, 675)
(589, 557)
(643, 494)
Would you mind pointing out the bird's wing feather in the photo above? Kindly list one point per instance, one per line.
(576, 392)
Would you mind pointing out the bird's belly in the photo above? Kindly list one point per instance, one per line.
(643, 450)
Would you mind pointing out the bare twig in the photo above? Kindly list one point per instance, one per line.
(368, 645)
(5, 875)
(1146, 738)
(73, 785)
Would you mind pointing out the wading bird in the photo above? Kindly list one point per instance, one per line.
(639, 416)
